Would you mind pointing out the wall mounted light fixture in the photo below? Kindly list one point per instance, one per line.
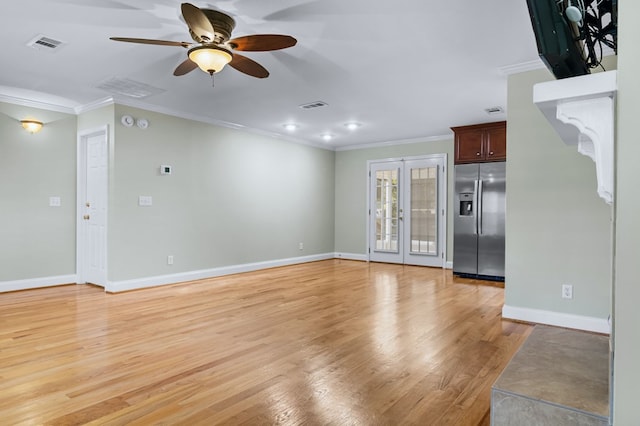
(31, 126)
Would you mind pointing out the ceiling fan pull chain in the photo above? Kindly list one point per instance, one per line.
(213, 82)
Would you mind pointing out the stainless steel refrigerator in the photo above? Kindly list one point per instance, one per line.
(478, 225)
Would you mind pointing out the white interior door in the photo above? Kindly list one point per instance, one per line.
(93, 186)
(407, 214)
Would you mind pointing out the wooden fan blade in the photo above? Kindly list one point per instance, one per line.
(198, 22)
(248, 66)
(262, 42)
(185, 67)
(151, 41)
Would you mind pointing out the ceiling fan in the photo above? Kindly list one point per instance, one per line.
(213, 48)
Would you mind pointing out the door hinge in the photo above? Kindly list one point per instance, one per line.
(442, 212)
(369, 249)
(369, 212)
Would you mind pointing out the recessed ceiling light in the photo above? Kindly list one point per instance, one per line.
(327, 137)
(290, 127)
(353, 126)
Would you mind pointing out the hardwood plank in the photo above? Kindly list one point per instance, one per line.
(330, 342)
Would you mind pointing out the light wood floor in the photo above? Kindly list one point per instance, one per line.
(333, 342)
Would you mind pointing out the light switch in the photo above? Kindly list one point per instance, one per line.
(145, 200)
(54, 201)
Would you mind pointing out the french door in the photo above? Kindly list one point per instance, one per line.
(407, 211)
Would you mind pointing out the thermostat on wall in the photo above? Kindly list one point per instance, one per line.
(165, 170)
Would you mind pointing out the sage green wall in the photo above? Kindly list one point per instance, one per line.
(234, 197)
(37, 240)
(626, 369)
(97, 118)
(351, 190)
(558, 231)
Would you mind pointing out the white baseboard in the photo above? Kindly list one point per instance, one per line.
(138, 283)
(560, 319)
(37, 282)
(350, 256)
(448, 265)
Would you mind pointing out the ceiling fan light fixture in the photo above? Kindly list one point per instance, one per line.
(210, 58)
(31, 126)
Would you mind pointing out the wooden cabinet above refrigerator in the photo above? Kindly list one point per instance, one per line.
(480, 143)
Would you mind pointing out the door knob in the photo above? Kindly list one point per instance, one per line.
(490, 152)
(477, 154)
(85, 217)
(88, 204)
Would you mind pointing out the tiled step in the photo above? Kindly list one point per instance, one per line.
(558, 377)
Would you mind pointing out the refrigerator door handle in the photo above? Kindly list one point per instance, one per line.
(475, 214)
(480, 206)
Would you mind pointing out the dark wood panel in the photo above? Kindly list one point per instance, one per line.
(496, 138)
(469, 146)
(480, 143)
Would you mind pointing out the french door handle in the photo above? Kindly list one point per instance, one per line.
(85, 217)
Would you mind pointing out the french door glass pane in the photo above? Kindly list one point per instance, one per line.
(387, 210)
(424, 204)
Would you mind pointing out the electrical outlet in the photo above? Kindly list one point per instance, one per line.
(567, 291)
(170, 260)
(301, 246)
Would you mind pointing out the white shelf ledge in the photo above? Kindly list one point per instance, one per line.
(582, 111)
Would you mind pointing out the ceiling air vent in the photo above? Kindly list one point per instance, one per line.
(494, 110)
(128, 87)
(49, 44)
(312, 105)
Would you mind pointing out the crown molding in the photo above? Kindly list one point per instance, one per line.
(49, 106)
(97, 104)
(522, 67)
(215, 122)
(110, 100)
(394, 142)
(538, 64)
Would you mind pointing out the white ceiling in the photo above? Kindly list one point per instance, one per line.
(404, 69)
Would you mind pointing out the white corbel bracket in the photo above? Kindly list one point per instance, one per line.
(582, 111)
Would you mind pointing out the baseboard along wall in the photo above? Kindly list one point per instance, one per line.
(558, 319)
(30, 283)
(578, 322)
(134, 284)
